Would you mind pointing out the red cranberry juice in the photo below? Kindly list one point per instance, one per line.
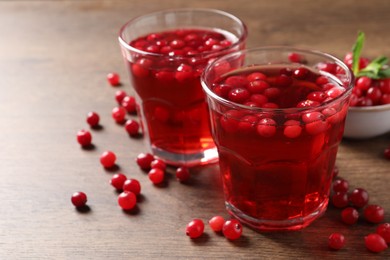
(276, 165)
(168, 87)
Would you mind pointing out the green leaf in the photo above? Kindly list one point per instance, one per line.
(384, 73)
(356, 51)
(374, 68)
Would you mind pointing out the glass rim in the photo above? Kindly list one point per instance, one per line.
(290, 110)
(240, 39)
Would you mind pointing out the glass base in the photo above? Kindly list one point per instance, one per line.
(190, 159)
(277, 225)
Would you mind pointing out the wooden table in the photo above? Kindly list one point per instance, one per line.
(54, 57)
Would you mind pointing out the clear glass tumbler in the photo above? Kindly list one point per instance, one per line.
(277, 117)
(165, 53)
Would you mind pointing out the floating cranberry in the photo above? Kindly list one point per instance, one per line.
(247, 124)
(272, 92)
(374, 213)
(375, 243)
(295, 57)
(161, 114)
(237, 81)
(216, 223)
(259, 99)
(257, 86)
(340, 199)
(195, 228)
(132, 185)
(79, 199)
(239, 95)
(232, 229)
(132, 127)
(157, 163)
(340, 185)
(113, 78)
(358, 197)
(229, 121)
(292, 129)
(301, 73)
(349, 216)
(316, 127)
(141, 68)
(144, 160)
(84, 138)
(127, 200)
(117, 180)
(119, 114)
(222, 90)
(129, 104)
(266, 127)
(336, 241)
(93, 119)
(283, 80)
(317, 96)
(107, 159)
(182, 174)
(308, 103)
(156, 176)
(384, 231)
(256, 76)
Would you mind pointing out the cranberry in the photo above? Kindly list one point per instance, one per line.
(385, 99)
(316, 127)
(283, 80)
(386, 153)
(292, 129)
(266, 127)
(312, 116)
(259, 99)
(93, 119)
(247, 124)
(308, 103)
(375, 243)
(384, 231)
(301, 73)
(336, 241)
(335, 92)
(157, 163)
(363, 83)
(375, 94)
(364, 102)
(317, 96)
(257, 86)
(237, 81)
(117, 180)
(340, 199)
(358, 197)
(384, 85)
(272, 93)
(107, 159)
(239, 95)
(79, 199)
(161, 114)
(335, 172)
(232, 229)
(349, 216)
(295, 57)
(156, 176)
(321, 80)
(195, 228)
(229, 121)
(374, 213)
(127, 200)
(256, 76)
(140, 69)
(132, 185)
(132, 127)
(84, 138)
(129, 104)
(113, 78)
(328, 67)
(216, 223)
(144, 160)
(222, 90)
(182, 174)
(184, 72)
(340, 185)
(119, 114)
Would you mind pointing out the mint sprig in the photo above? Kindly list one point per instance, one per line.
(376, 69)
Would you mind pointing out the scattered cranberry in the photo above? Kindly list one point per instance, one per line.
(182, 174)
(340, 199)
(84, 137)
(117, 180)
(119, 114)
(387, 153)
(157, 163)
(340, 185)
(132, 127)
(93, 119)
(156, 175)
(119, 96)
(79, 199)
(216, 223)
(375, 243)
(232, 229)
(132, 185)
(144, 160)
(384, 231)
(107, 159)
(127, 200)
(349, 216)
(358, 197)
(374, 213)
(129, 104)
(336, 241)
(195, 228)
(113, 78)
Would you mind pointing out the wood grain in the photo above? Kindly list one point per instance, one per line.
(54, 56)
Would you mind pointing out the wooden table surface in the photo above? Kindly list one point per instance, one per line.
(54, 57)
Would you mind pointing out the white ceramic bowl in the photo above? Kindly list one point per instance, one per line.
(367, 122)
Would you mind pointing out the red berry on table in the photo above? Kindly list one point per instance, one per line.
(340, 185)
(384, 231)
(119, 114)
(336, 241)
(232, 229)
(79, 199)
(349, 216)
(156, 176)
(132, 127)
(340, 199)
(375, 243)
(132, 185)
(107, 159)
(129, 104)
(144, 160)
(182, 174)
(127, 200)
(195, 228)
(113, 79)
(157, 163)
(216, 223)
(358, 197)
(93, 119)
(84, 137)
(374, 213)
(119, 96)
(117, 180)
(386, 153)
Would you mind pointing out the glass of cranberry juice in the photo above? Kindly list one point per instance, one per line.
(165, 53)
(277, 117)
